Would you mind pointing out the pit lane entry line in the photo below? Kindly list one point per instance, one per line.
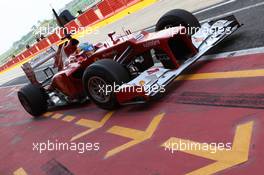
(57, 116)
(67, 118)
(223, 75)
(90, 125)
(137, 136)
(224, 158)
(20, 171)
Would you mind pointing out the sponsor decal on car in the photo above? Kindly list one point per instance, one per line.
(152, 71)
(151, 43)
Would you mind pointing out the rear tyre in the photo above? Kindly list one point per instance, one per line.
(34, 99)
(178, 17)
(101, 76)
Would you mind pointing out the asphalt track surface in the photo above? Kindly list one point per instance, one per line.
(248, 12)
(250, 35)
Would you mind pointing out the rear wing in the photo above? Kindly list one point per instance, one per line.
(30, 67)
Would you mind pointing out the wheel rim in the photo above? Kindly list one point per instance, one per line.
(168, 26)
(24, 102)
(96, 88)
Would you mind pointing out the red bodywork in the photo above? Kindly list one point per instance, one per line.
(69, 81)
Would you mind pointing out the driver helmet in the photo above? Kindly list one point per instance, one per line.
(87, 47)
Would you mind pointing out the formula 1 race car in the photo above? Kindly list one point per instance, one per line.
(127, 69)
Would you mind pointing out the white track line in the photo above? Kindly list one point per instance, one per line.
(4, 87)
(232, 54)
(203, 10)
(150, 28)
(213, 7)
(12, 91)
(232, 12)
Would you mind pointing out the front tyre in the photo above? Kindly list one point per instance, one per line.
(34, 99)
(178, 17)
(101, 78)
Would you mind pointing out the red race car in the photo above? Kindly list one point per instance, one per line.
(128, 69)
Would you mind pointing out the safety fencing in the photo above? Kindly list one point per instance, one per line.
(99, 12)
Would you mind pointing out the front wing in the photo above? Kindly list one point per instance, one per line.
(156, 79)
